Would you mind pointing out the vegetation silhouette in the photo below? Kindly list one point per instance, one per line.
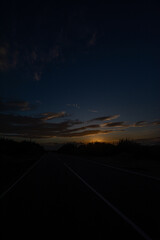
(124, 147)
(13, 148)
(16, 158)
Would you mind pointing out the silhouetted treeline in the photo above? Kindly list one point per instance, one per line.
(106, 149)
(13, 148)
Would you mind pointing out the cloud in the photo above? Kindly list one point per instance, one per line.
(92, 41)
(105, 118)
(40, 126)
(31, 126)
(50, 115)
(85, 133)
(141, 124)
(21, 56)
(156, 123)
(8, 58)
(115, 124)
(92, 110)
(15, 106)
(83, 128)
(146, 124)
(54, 52)
(126, 125)
(81, 134)
(37, 76)
(37, 127)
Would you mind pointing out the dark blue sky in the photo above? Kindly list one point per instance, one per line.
(80, 71)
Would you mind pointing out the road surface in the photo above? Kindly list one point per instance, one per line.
(71, 197)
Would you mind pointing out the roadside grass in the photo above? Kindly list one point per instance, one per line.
(15, 159)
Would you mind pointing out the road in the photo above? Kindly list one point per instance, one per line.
(75, 198)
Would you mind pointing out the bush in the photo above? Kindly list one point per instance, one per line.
(11, 147)
(131, 148)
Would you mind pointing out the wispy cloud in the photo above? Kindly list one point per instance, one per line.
(81, 134)
(37, 76)
(115, 124)
(54, 52)
(146, 124)
(141, 124)
(15, 106)
(38, 127)
(105, 118)
(83, 128)
(8, 58)
(50, 115)
(92, 40)
(41, 127)
(92, 110)
(85, 133)
(157, 123)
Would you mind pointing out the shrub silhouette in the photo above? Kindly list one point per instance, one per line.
(15, 158)
(124, 146)
(11, 147)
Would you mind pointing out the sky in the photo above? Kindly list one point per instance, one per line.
(78, 71)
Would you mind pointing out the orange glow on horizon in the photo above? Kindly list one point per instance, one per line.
(100, 139)
(94, 139)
